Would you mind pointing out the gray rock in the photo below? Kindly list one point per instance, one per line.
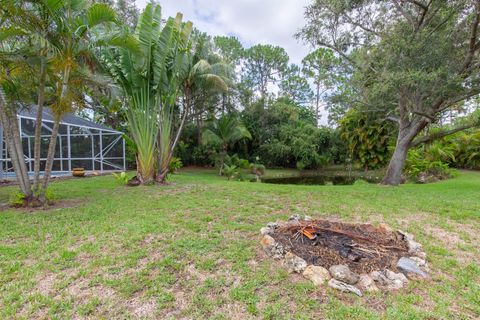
(307, 218)
(366, 283)
(318, 275)
(414, 247)
(344, 287)
(389, 279)
(273, 225)
(272, 248)
(409, 267)
(343, 273)
(266, 231)
(421, 254)
(294, 263)
(421, 263)
(294, 218)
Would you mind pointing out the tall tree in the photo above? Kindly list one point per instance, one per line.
(295, 86)
(224, 132)
(127, 11)
(319, 66)
(51, 34)
(413, 60)
(73, 22)
(149, 68)
(229, 48)
(206, 77)
(264, 65)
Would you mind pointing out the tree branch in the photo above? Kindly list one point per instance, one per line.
(419, 4)
(392, 119)
(405, 14)
(441, 134)
(473, 40)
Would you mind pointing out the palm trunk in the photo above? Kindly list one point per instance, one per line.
(164, 165)
(13, 141)
(199, 130)
(53, 139)
(50, 158)
(223, 154)
(38, 127)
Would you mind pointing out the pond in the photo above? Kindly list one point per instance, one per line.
(320, 179)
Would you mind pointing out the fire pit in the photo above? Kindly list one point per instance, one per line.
(353, 258)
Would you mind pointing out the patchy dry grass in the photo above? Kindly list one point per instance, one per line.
(190, 251)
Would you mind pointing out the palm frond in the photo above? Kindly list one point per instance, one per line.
(100, 13)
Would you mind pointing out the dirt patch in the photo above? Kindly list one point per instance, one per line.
(81, 290)
(46, 284)
(450, 239)
(363, 247)
(142, 309)
(61, 204)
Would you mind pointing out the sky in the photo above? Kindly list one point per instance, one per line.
(251, 21)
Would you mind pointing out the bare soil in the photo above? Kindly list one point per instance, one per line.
(363, 247)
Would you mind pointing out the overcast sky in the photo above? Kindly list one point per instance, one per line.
(252, 21)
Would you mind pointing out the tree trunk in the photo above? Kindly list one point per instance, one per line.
(38, 127)
(223, 154)
(13, 141)
(53, 139)
(393, 176)
(317, 102)
(50, 158)
(406, 134)
(199, 130)
(163, 172)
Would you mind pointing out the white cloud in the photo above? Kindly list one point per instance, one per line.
(252, 21)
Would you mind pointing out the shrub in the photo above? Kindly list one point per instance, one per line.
(367, 139)
(420, 169)
(175, 164)
(235, 160)
(230, 171)
(257, 169)
(121, 177)
(17, 200)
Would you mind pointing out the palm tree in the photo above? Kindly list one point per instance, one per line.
(55, 41)
(199, 77)
(148, 69)
(11, 133)
(72, 22)
(24, 46)
(224, 132)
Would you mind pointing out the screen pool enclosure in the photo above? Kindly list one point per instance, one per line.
(80, 144)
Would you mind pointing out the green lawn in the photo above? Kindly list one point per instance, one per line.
(191, 250)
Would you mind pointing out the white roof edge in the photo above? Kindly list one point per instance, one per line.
(70, 124)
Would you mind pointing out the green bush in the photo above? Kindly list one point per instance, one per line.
(234, 160)
(420, 169)
(230, 171)
(175, 164)
(367, 139)
(121, 177)
(257, 169)
(284, 133)
(18, 199)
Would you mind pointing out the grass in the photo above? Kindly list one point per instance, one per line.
(190, 250)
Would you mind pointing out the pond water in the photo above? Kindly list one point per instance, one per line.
(320, 179)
